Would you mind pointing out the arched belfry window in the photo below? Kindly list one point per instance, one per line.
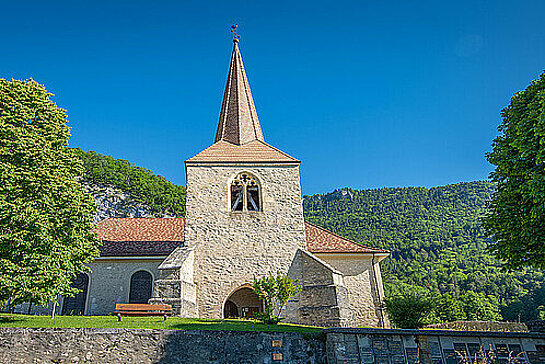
(245, 194)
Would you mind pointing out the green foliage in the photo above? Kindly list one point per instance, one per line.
(163, 197)
(516, 220)
(410, 310)
(275, 291)
(412, 307)
(480, 307)
(437, 244)
(45, 217)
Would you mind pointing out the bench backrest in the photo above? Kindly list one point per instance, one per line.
(141, 307)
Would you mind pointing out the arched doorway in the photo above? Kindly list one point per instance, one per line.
(76, 305)
(140, 289)
(230, 310)
(243, 303)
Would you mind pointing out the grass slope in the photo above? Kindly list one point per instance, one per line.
(172, 323)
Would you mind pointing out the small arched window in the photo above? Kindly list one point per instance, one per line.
(140, 289)
(245, 193)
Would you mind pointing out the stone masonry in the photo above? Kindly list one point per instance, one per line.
(231, 248)
(48, 346)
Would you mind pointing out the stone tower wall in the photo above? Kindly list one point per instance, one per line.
(231, 248)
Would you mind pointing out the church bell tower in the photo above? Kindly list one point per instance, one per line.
(244, 215)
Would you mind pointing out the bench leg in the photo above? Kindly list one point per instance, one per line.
(164, 317)
(118, 317)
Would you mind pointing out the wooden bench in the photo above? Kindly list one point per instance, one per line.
(139, 309)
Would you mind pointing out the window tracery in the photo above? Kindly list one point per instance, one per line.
(245, 193)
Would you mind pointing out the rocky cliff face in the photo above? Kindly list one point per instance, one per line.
(113, 202)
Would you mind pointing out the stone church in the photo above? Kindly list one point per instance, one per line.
(244, 219)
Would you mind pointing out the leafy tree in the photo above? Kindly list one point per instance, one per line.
(479, 307)
(275, 291)
(45, 217)
(448, 308)
(516, 218)
(411, 310)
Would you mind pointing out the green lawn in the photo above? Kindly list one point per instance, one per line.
(172, 323)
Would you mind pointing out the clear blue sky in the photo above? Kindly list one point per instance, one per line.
(367, 94)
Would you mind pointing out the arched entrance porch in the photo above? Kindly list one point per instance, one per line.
(242, 303)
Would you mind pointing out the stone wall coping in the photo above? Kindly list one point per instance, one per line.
(96, 330)
(339, 330)
(425, 332)
(322, 262)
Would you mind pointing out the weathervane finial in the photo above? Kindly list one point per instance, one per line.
(236, 37)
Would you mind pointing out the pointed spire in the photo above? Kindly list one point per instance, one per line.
(238, 122)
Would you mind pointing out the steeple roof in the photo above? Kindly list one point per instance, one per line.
(238, 123)
(239, 138)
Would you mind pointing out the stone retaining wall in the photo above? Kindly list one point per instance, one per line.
(156, 346)
(334, 346)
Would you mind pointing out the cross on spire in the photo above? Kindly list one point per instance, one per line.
(236, 37)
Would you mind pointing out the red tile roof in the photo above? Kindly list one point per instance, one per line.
(320, 240)
(254, 151)
(160, 236)
(140, 236)
(141, 229)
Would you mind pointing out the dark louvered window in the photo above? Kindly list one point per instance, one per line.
(236, 197)
(245, 193)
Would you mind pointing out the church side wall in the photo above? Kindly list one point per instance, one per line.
(231, 248)
(364, 293)
(110, 281)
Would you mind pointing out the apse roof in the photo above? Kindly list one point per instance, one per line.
(320, 240)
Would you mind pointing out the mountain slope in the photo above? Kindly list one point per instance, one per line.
(143, 192)
(435, 241)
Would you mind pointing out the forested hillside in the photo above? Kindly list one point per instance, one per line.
(436, 242)
(434, 235)
(160, 195)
